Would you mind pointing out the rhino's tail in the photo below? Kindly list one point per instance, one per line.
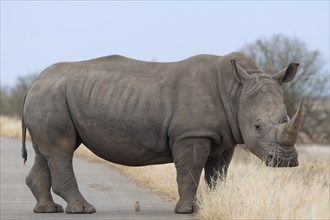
(24, 151)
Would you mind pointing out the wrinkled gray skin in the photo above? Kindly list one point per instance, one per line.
(135, 113)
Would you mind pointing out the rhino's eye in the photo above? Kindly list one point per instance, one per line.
(258, 124)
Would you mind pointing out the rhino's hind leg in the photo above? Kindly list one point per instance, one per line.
(57, 142)
(65, 185)
(47, 117)
(39, 181)
(189, 157)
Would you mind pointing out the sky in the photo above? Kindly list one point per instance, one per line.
(36, 34)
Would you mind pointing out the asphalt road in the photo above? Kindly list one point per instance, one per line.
(112, 194)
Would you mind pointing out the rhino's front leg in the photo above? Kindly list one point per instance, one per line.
(189, 157)
(216, 167)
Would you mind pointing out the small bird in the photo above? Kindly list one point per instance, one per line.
(137, 207)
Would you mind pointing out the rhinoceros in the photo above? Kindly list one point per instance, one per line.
(191, 112)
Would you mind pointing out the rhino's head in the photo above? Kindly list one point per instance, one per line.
(266, 129)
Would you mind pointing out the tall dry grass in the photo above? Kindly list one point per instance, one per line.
(254, 191)
(251, 190)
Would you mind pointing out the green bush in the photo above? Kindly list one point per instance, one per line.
(11, 98)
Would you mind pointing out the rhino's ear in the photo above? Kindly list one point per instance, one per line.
(287, 74)
(239, 73)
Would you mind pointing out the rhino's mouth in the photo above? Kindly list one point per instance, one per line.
(275, 155)
(276, 161)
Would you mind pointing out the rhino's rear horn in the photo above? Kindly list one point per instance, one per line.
(289, 131)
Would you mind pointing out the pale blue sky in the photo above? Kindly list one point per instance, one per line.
(36, 34)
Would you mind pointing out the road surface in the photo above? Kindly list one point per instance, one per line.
(112, 194)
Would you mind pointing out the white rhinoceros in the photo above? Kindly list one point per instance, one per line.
(192, 112)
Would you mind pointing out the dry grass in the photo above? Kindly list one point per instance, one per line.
(251, 191)
(254, 191)
(10, 127)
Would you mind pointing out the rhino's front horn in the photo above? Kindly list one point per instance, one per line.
(288, 132)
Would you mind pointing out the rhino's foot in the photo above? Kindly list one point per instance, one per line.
(79, 207)
(184, 207)
(49, 207)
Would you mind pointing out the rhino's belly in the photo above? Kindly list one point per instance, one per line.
(134, 144)
(130, 153)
